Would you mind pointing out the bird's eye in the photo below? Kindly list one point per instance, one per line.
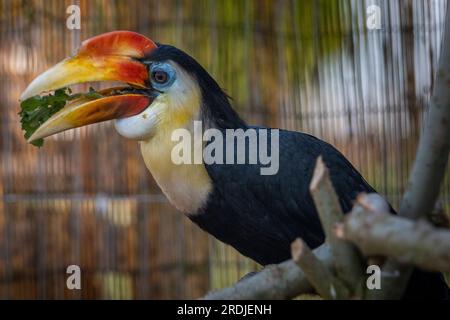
(160, 76)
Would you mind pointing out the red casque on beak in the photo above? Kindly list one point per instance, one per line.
(112, 56)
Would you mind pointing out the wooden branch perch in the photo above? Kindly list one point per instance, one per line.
(432, 153)
(282, 281)
(347, 261)
(412, 242)
(430, 164)
(318, 275)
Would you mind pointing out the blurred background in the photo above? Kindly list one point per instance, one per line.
(86, 197)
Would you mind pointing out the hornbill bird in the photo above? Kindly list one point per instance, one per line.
(259, 215)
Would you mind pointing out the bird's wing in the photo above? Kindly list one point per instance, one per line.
(260, 215)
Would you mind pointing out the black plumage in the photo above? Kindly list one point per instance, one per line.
(261, 215)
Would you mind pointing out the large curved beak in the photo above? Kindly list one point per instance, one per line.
(113, 56)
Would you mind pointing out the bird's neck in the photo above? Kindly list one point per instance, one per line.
(216, 111)
(187, 186)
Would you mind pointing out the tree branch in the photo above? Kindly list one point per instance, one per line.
(430, 164)
(282, 281)
(318, 275)
(411, 242)
(432, 153)
(347, 261)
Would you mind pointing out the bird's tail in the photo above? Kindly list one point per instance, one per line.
(427, 285)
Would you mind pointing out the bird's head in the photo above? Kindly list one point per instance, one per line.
(164, 86)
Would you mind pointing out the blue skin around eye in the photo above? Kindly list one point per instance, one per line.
(164, 67)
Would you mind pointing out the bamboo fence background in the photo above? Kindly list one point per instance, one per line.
(86, 197)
